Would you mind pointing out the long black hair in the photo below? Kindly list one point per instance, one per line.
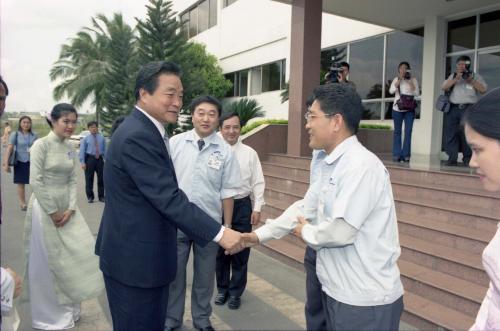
(24, 118)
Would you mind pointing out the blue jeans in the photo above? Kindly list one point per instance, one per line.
(408, 118)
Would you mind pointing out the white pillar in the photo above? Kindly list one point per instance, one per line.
(427, 132)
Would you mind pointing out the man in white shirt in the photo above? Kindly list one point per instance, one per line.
(208, 173)
(231, 270)
(353, 224)
(11, 285)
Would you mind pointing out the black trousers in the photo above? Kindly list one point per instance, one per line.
(94, 165)
(231, 270)
(135, 308)
(454, 135)
(314, 311)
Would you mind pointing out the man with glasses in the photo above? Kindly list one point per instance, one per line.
(466, 87)
(351, 219)
(209, 173)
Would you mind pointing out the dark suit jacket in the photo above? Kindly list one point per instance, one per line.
(144, 207)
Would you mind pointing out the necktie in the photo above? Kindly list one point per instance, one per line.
(97, 154)
(201, 143)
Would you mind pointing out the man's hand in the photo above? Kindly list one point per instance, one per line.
(255, 218)
(84, 166)
(250, 239)
(298, 229)
(231, 241)
(17, 281)
(6, 167)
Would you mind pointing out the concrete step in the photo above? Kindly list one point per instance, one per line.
(289, 171)
(454, 236)
(291, 161)
(457, 201)
(275, 181)
(446, 215)
(428, 315)
(284, 196)
(460, 264)
(442, 288)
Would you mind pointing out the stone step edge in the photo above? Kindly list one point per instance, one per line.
(284, 165)
(448, 189)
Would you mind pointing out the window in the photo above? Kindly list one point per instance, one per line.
(366, 62)
(226, 3)
(489, 68)
(489, 29)
(407, 47)
(265, 78)
(199, 18)
(462, 34)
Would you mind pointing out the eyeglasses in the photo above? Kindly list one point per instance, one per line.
(308, 115)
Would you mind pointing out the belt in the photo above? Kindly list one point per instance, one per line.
(461, 105)
(242, 199)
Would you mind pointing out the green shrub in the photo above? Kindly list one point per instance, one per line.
(251, 126)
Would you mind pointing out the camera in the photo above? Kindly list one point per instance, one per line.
(335, 69)
(407, 74)
(467, 74)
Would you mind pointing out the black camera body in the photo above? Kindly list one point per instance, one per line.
(335, 69)
(467, 74)
(407, 75)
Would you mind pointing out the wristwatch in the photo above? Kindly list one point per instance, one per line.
(229, 226)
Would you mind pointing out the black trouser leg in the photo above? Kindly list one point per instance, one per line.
(222, 271)
(315, 313)
(90, 167)
(100, 177)
(451, 132)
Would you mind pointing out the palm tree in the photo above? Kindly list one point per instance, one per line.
(246, 109)
(80, 69)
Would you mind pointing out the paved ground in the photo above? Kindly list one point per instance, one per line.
(274, 299)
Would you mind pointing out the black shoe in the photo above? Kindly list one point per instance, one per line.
(206, 328)
(406, 160)
(221, 299)
(234, 302)
(395, 159)
(451, 163)
(101, 199)
(90, 200)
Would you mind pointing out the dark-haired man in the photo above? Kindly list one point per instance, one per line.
(466, 87)
(352, 219)
(144, 207)
(92, 150)
(209, 173)
(232, 269)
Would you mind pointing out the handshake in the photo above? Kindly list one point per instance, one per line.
(234, 242)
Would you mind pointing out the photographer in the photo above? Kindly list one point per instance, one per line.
(338, 74)
(405, 87)
(465, 87)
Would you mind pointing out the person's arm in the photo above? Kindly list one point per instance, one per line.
(394, 85)
(103, 152)
(332, 233)
(416, 88)
(11, 286)
(478, 84)
(6, 157)
(451, 81)
(72, 186)
(83, 149)
(258, 187)
(227, 208)
(156, 182)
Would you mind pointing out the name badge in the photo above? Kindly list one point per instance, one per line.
(71, 155)
(469, 86)
(215, 160)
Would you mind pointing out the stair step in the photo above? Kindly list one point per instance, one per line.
(446, 215)
(468, 203)
(442, 288)
(449, 235)
(278, 194)
(293, 161)
(427, 315)
(289, 171)
(461, 264)
(285, 185)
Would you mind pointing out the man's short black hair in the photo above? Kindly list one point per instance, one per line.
(91, 123)
(208, 99)
(4, 85)
(337, 98)
(228, 115)
(464, 58)
(345, 64)
(147, 78)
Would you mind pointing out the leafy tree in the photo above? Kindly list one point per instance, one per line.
(246, 109)
(119, 75)
(80, 70)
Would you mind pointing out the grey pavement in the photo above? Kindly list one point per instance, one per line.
(274, 299)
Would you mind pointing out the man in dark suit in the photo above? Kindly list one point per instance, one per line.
(144, 207)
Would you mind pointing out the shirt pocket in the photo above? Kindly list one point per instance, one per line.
(327, 198)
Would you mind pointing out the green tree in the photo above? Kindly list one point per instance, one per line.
(246, 109)
(80, 70)
(119, 75)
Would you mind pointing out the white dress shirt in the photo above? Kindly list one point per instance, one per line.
(350, 193)
(161, 129)
(10, 317)
(252, 178)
